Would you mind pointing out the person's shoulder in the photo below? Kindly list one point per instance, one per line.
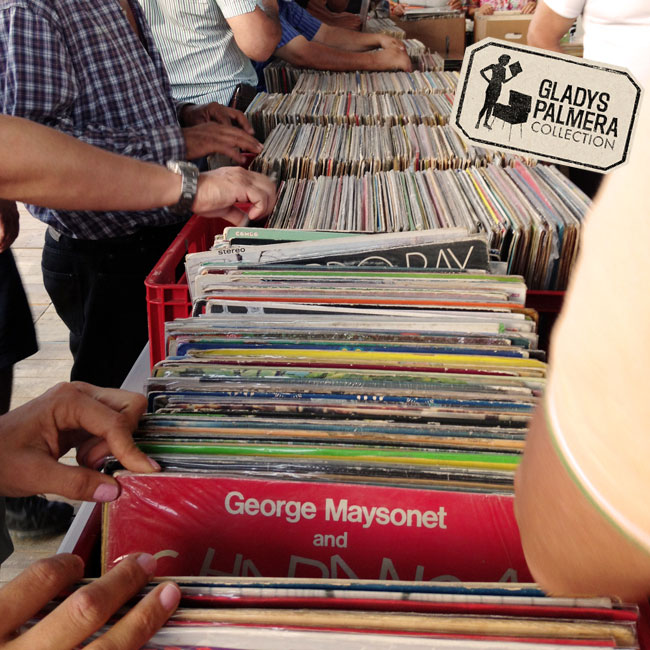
(235, 7)
(47, 9)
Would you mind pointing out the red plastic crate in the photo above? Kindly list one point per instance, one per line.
(168, 296)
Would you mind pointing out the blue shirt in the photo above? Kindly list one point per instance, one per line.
(78, 66)
(295, 21)
(202, 57)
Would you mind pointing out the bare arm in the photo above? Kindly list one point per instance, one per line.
(301, 52)
(346, 39)
(42, 166)
(570, 547)
(582, 488)
(547, 28)
(337, 5)
(258, 32)
(318, 9)
(45, 167)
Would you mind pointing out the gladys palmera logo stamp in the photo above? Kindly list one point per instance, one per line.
(551, 106)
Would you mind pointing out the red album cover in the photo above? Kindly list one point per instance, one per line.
(220, 526)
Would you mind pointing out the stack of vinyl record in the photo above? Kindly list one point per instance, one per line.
(322, 614)
(280, 76)
(266, 111)
(333, 395)
(308, 151)
(532, 215)
(421, 57)
(384, 26)
(367, 83)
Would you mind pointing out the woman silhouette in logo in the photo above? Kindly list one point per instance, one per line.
(493, 90)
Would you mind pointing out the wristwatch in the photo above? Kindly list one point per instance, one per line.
(190, 175)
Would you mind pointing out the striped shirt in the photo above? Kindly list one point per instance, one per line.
(77, 66)
(198, 47)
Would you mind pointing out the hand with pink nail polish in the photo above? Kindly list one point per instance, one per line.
(87, 610)
(96, 421)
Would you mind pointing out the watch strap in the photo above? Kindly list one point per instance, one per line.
(189, 184)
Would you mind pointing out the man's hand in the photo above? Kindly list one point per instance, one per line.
(485, 10)
(221, 188)
(9, 224)
(97, 421)
(84, 612)
(529, 8)
(391, 59)
(211, 137)
(456, 5)
(192, 114)
(213, 128)
(388, 42)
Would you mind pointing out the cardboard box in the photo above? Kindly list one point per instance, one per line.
(505, 25)
(443, 35)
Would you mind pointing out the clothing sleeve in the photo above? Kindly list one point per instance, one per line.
(565, 8)
(289, 32)
(232, 8)
(301, 20)
(40, 84)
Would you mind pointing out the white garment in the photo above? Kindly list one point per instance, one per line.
(617, 33)
(203, 61)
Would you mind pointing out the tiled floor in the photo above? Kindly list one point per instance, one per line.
(50, 365)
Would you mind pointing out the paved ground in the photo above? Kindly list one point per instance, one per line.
(33, 376)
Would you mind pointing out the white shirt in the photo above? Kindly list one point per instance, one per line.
(616, 32)
(203, 61)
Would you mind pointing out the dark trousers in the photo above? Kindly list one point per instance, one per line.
(97, 288)
(17, 342)
(17, 334)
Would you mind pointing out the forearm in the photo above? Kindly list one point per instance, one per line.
(157, 145)
(346, 39)
(570, 547)
(49, 168)
(322, 57)
(547, 28)
(337, 5)
(582, 485)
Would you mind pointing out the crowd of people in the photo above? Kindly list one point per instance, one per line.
(109, 112)
(99, 72)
